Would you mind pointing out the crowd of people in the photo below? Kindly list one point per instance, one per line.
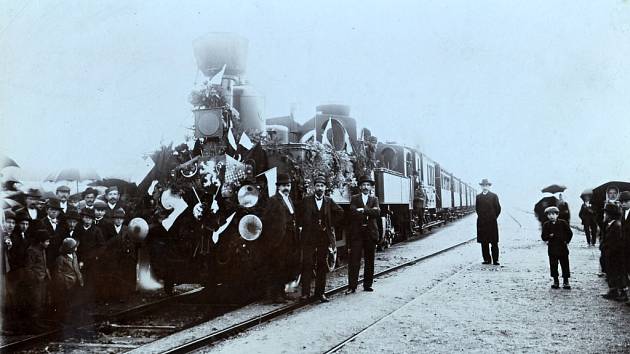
(610, 223)
(64, 254)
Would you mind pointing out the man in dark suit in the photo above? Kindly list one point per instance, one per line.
(365, 214)
(63, 193)
(33, 197)
(56, 229)
(488, 210)
(281, 241)
(320, 214)
(589, 220)
(89, 251)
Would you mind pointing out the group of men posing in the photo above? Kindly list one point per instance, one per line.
(318, 218)
(62, 253)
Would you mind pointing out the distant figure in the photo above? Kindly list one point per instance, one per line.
(557, 233)
(488, 210)
(563, 207)
(589, 220)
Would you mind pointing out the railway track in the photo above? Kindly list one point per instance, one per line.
(59, 339)
(230, 331)
(134, 327)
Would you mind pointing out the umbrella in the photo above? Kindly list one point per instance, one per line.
(123, 186)
(544, 203)
(74, 175)
(6, 161)
(9, 203)
(554, 188)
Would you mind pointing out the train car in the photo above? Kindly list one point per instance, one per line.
(457, 195)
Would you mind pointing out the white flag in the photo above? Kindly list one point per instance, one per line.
(215, 234)
(216, 79)
(231, 139)
(349, 148)
(308, 136)
(325, 133)
(271, 176)
(246, 142)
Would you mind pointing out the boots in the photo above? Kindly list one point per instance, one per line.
(611, 294)
(623, 296)
(556, 283)
(565, 284)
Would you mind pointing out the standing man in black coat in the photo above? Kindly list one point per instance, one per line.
(319, 216)
(279, 228)
(365, 214)
(488, 210)
(55, 228)
(624, 199)
(589, 220)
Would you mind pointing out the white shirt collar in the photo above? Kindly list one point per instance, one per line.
(118, 228)
(32, 213)
(364, 198)
(319, 202)
(111, 206)
(626, 212)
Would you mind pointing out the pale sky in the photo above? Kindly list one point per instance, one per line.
(525, 93)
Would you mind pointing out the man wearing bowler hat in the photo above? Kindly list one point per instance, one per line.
(279, 228)
(319, 216)
(89, 196)
(488, 210)
(365, 214)
(55, 228)
(90, 250)
(33, 197)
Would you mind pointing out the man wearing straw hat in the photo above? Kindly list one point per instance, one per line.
(488, 210)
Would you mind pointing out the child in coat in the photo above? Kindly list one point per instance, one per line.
(67, 278)
(557, 233)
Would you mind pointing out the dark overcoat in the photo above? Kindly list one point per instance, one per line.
(557, 235)
(370, 216)
(56, 237)
(311, 229)
(587, 215)
(281, 240)
(614, 249)
(488, 210)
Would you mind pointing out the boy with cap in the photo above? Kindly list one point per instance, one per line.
(589, 220)
(557, 233)
(613, 250)
(72, 221)
(66, 278)
(37, 276)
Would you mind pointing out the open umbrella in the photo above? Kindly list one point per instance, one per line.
(9, 203)
(74, 175)
(544, 203)
(6, 161)
(554, 188)
(123, 186)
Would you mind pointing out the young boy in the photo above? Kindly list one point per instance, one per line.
(589, 220)
(67, 278)
(557, 233)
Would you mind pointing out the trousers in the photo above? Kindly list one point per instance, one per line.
(485, 251)
(564, 264)
(364, 248)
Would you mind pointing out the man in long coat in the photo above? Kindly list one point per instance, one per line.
(319, 216)
(365, 214)
(281, 241)
(488, 210)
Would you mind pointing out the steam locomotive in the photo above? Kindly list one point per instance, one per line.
(230, 172)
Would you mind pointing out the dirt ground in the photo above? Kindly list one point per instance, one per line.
(452, 303)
